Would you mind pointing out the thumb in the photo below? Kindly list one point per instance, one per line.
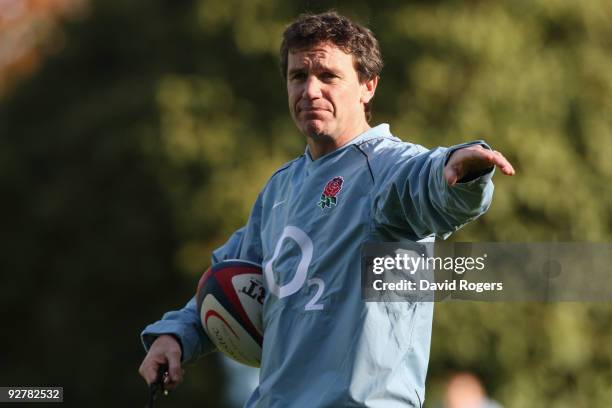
(450, 175)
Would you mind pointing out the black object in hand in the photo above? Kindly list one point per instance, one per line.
(157, 385)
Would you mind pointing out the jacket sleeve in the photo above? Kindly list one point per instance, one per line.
(414, 197)
(184, 324)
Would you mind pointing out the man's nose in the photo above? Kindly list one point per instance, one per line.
(312, 88)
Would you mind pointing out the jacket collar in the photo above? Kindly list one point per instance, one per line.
(375, 132)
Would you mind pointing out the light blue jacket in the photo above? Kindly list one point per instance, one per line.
(323, 346)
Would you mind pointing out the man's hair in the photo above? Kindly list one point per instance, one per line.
(309, 30)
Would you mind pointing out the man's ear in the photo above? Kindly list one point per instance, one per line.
(368, 89)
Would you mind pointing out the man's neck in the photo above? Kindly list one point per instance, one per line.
(320, 145)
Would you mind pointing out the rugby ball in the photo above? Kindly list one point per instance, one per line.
(230, 299)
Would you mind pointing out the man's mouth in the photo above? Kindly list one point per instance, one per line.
(313, 110)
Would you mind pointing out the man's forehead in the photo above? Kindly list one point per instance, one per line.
(317, 54)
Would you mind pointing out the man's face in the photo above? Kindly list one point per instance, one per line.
(325, 96)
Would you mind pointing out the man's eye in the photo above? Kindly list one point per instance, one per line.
(298, 76)
(328, 76)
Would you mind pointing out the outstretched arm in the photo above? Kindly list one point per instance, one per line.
(437, 191)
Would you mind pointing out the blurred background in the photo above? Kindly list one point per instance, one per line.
(134, 137)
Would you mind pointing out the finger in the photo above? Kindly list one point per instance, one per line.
(148, 371)
(175, 372)
(170, 385)
(493, 157)
(504, 165)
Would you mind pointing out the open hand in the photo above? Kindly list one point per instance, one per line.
(474, 160)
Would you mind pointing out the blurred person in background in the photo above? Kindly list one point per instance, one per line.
(323, 345)
(464, 390)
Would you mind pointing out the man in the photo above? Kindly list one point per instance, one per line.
(323, 346)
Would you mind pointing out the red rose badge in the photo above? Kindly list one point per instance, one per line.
(331, 190)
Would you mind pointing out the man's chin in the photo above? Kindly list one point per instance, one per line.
(315, 128)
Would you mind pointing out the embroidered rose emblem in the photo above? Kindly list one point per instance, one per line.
(332, 187)
(331, 190)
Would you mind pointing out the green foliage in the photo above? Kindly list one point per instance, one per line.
(142, 145)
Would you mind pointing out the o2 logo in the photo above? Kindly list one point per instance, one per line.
(299, 278)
